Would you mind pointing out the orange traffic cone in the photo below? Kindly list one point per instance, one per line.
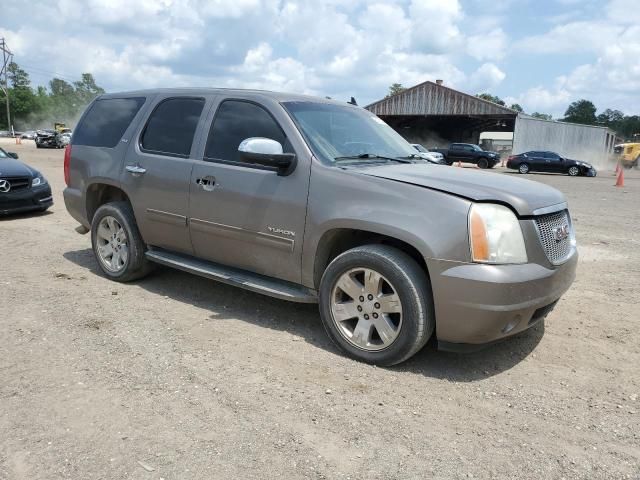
(18, 140)
(620, 178)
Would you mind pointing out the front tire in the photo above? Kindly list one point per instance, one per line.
(483, 163)
(523, 168)
(376, 304)
(117, 243)
(574, 171)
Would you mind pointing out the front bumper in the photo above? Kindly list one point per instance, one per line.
(26, 200)
(477, 304)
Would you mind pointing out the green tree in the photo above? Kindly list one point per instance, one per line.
(516, 107)
(581, 111)
(542, 116)
(86, 89)
(395, 88)
(18, 78)
(491, 98)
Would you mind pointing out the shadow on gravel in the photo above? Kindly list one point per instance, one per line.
(25, 215)
(303, 320)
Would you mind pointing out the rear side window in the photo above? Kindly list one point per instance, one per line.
(171, 126)
(456, 146)
(106, 121)
(236, 121)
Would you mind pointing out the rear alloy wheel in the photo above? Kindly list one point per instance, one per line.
(574, 171)
(117, 243)
(376, 304)
(483, 163)
(523, 168)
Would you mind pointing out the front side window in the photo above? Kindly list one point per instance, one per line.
(172, 126)
(106, 121)
(236, 121)
(337, 132)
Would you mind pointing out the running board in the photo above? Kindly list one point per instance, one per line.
(236, 277)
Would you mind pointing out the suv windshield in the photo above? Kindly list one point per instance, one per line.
(336, 132)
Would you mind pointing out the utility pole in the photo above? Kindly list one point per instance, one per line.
(6, 60)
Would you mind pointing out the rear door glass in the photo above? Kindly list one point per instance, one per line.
(172, 126)
(106, 121)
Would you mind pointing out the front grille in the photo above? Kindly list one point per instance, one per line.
(556, 246)
(17, 183)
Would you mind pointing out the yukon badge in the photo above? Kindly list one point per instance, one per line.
(560, 233)
(281, 231)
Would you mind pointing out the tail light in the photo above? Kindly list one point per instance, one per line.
(511, 157)
(67, 160)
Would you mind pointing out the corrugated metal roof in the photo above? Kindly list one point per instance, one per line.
(429, 98)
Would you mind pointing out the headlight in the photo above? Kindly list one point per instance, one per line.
(495, 235)
(39, 180)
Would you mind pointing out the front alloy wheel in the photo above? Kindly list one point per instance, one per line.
(376, 304)
(574, 171)
(366, 309)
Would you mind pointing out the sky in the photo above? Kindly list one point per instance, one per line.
(541, 54)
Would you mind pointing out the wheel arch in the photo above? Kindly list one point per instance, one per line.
(99, 193)
(337, 240)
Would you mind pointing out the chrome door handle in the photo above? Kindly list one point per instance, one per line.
(135, 170)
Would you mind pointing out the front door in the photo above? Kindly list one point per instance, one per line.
(157, 171)
(240, 214)
(553, 162)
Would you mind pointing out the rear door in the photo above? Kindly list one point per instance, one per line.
(536, 161)
(240, 214)
(456, 152)
(157, 170)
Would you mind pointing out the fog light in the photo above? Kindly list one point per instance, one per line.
(512, 324)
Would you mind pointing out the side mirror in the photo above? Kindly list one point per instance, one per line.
(268, 153)
(13, 155)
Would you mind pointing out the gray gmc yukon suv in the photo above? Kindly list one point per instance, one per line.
(313, 200)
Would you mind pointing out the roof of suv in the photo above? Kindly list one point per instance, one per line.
(277, 96)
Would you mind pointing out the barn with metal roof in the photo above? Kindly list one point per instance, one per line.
(435, 115)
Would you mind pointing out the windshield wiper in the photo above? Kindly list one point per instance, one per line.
(372, 156)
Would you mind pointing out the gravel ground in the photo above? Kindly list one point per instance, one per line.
(179, 377)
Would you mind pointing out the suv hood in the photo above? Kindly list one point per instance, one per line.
(14, 168)
(524, 196)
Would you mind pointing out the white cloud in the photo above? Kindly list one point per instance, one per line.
(328, 47)
(486, 78)
(487, 46)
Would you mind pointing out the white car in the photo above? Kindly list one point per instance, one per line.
(433, 157)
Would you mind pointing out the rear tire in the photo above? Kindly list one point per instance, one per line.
(117, 243)
(523, 168)
(388, 315)
(483, 163)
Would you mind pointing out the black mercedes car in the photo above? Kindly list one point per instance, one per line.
(22, 188)
(541, 161)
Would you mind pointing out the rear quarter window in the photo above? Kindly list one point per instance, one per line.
(106, 121)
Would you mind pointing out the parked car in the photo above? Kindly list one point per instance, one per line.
(51, 139)
(29, 135)
(432, 157)
(542, 161)
(312, 200)
(22, 188)
(469, 153)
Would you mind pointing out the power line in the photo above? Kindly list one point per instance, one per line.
(6, 59)
(38, 70)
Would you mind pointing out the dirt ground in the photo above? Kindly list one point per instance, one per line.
(179, 377)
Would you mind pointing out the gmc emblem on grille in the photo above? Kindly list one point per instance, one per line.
(560, 233)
